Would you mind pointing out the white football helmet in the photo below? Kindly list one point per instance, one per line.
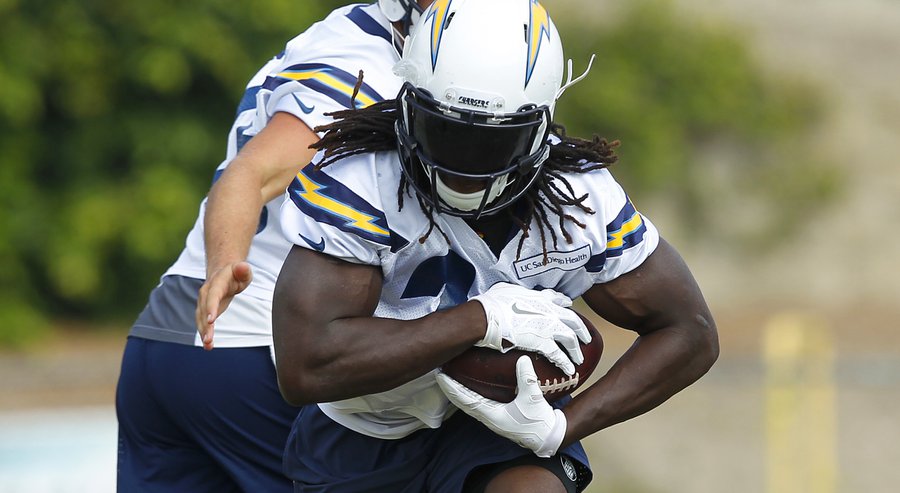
(481, 82)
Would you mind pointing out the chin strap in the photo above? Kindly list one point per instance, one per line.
(397, 39)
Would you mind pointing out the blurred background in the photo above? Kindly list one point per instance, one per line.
(760, 137)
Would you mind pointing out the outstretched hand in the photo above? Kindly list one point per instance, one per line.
(215, 296)
(528, 420)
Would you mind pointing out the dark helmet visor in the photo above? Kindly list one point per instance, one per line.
(471, 143)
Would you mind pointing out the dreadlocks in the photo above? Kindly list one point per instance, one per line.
(371, 129)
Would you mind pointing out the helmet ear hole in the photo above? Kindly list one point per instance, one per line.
(449, 19)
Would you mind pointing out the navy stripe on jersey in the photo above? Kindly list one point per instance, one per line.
(622, 233)
(596, 262)
(328, 80)
(625, 231)
(368, 24)
(326, 200)
(241, 137)
(248, 102)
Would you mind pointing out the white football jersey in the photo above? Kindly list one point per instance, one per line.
(314, 75)
(350, 210)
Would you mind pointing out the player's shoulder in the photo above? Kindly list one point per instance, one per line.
(599, 187)
(355, 183)
(333, 53)
(598, 184)
(356, 194)
(361, 26)
(345, 179)
(612, 219)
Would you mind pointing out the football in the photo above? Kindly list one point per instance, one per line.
(493, 374)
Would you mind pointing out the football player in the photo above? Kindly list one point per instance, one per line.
(456, 215)
(195, 420)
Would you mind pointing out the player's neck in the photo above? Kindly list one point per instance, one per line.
(495, 230)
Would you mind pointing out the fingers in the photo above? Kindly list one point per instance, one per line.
(202, 317)
(567, 316)
(528, 386)
(569, 342)
(207, 338)
(571, 330)
(459, 394)
(574, 322)
(205, 316)
(242, 275)
(216, 294)
(208, 302)
(557, 298)
(199, 313)
(559, 358)
(525, 374)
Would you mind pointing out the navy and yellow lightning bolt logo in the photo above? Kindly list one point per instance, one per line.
(330, 81)
(625, 231)
(438, 16)
(328, 201)
(538, 28)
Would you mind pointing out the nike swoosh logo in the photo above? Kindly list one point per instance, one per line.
(305, 109)
(523, 311)
(315, 246)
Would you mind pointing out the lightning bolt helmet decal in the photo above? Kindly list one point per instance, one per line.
(438, 18)
(538, 29)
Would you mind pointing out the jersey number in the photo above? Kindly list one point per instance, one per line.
(432, 275)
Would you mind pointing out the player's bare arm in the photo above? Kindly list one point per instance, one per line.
(259, 173)
(329, 346)
(677, 342)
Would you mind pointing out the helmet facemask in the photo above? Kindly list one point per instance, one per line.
(498, 155)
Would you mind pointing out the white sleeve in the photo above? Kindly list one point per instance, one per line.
(629, 236)
(319, 71)
(323, 214)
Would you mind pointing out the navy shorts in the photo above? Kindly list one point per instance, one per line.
(325, 457)
(192, 420)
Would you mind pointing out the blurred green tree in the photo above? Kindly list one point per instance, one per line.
(112, 117)
(705, 128)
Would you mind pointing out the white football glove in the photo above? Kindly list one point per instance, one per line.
(528, 420)
(538, 321)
